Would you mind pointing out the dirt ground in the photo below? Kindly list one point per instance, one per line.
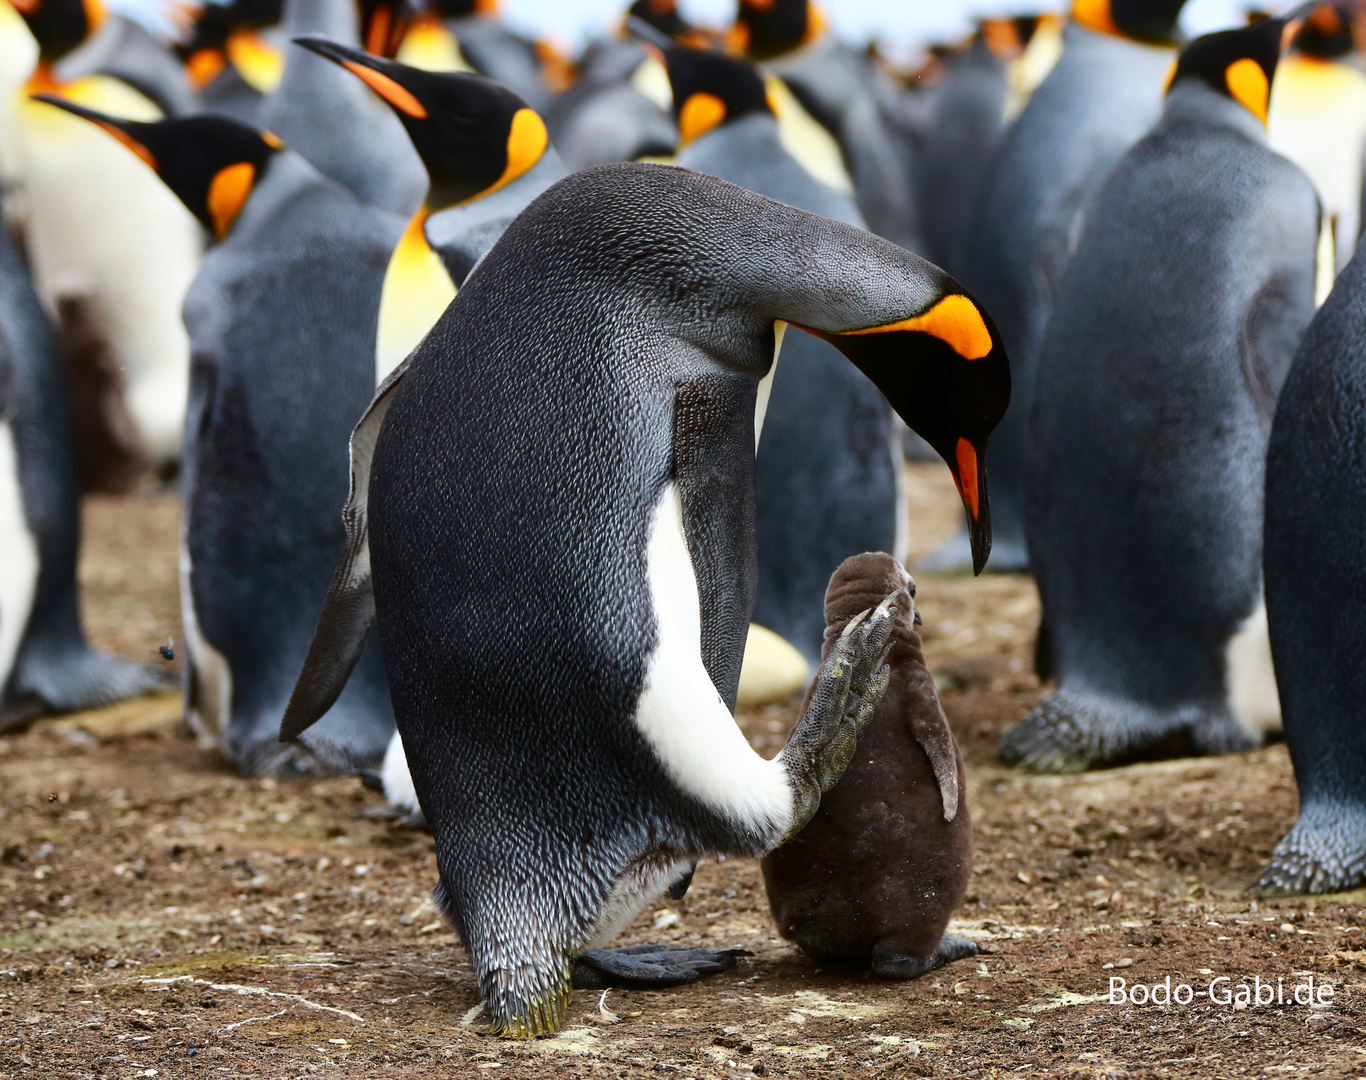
(160, 916)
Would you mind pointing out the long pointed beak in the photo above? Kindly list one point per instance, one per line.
(118, 128)
(970, 474)
(382, 76)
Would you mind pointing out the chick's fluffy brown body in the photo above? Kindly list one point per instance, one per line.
(874, 877)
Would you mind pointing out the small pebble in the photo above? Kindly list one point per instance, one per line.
(1125, 962)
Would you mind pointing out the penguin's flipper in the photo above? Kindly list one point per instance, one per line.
(933, 734)
(1268, 335)
(349, 607)
(649, 967)
(847, 689)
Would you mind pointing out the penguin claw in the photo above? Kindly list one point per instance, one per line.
(1323, 853)
(649, 967)
(847, 688)
(1070, 732)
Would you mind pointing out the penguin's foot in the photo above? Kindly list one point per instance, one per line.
(1325, 852)
(649, 967)
(848, 687)
(75, 681)
(1070, 732)
(950, 948)
(267, 756)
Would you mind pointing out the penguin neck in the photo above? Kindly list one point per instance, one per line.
(285, 177)
(416, 291)
(337, 20)
(1083, 39)
(1190, 101)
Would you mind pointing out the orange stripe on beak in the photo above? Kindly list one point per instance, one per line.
(966, 476)
(388, 89)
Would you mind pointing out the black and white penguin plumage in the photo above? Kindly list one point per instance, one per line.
(112, 254)
(570, 734)
(1101, 97)
(487, 155)
(829, 464)
(46, 664)
(1315, 562)
(1175, 325)
(282, 321)
(334, 122)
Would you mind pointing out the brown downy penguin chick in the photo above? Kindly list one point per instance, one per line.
(873, 878)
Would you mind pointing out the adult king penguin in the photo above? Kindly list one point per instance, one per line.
(1175, 325)
(574, 771)
(46, 664)
(282, 322)
(1101, 97)
(828, 467)
(112, 254)
(487, 156)
(1316, 592)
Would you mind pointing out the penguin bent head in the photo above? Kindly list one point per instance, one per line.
(1150, 21)
(210, 163)
(1239, 64)
(474, 136)
(710, 89)
(765, 29)
(944, 370)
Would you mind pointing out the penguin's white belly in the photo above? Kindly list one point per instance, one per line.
(680, 713)
(209, 709)
(397, 779)
(18, 57)
(1251, 678)
(18, 556)
(101, 222)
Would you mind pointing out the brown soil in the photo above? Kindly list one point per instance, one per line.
(160, 916)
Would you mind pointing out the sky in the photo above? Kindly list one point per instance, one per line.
(899, 21)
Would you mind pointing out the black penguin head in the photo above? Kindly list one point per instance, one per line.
(205, 52)
(1151, 21)
(1327, 32)
(1236, 63)
(60, 25)
(710, 89)
(662, 15)
(473, 135)
(462, 9)
(945, 373)
(211, 163)
(764, 29)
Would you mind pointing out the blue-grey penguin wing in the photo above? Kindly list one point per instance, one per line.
(715, 478)
(349, 607)
(1269, 333)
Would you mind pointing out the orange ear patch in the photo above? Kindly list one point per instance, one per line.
(966, 458)
(1095, 15)
(954, 320)
(700, 113)
(527, 140)
(228, 193)
(388, 89)
(1250, 87)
